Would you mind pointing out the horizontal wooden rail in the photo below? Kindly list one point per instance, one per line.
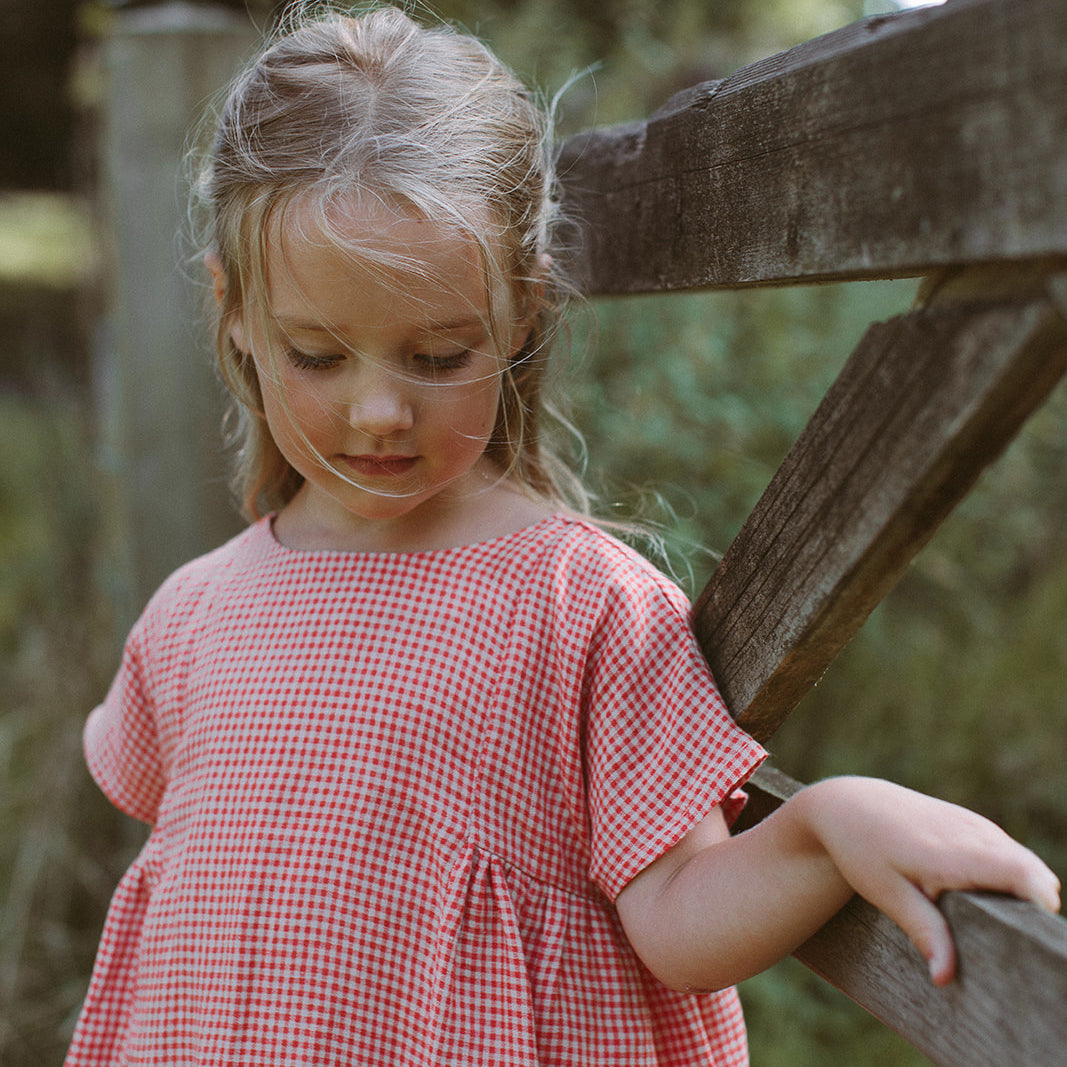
(896, 146)
(924, 404)
(1007, 1005)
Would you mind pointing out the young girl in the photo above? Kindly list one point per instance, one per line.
(435, 771)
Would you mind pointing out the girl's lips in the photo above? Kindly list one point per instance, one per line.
(379, 466)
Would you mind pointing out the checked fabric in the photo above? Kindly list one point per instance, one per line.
(392, 798)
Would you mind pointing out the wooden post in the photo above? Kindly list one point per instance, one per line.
(161, 406)
(926, 401)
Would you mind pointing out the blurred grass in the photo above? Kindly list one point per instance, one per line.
(58, 838)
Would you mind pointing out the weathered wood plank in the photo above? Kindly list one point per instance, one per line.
(892, 147)
(1009, 1002)
(923, 405)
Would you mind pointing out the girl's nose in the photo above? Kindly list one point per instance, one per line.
(379, 406)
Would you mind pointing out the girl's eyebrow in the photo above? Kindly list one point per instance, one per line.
(301, 325)
(463, 322)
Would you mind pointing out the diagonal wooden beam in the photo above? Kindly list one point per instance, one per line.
(1005, 1007)
(923, 405)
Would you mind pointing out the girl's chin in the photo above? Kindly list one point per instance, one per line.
(380, 500)
(388, 492)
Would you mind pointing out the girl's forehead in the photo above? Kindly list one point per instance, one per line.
(332, 258)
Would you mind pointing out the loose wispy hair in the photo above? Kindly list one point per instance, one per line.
(425, 118)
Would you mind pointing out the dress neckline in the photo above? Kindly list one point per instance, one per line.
(264, 530)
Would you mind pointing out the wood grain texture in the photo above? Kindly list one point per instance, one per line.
(923, 405)
(897, 145)
(1009, 1002)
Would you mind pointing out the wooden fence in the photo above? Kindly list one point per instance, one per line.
(928, 143)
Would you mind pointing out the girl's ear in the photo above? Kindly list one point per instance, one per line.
(544, 271)
(541, 278)
(536, 296)
(213, 262)
(219, 285)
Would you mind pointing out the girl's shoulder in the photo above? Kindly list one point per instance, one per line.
(185, 588)
(582, 557)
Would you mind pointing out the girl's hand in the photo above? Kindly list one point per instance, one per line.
(901, 850)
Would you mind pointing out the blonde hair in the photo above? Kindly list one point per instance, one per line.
(375, 104)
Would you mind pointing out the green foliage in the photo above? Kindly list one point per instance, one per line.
(794, 1017)
(698, 396)
(637, 53)
(955, 684)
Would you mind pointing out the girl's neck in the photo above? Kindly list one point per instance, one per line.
(310, 523)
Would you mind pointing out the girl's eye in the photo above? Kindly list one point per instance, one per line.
(430, 364)
(306, 361)
(444, 364)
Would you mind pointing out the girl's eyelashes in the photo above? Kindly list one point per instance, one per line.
(306, 361)
(427, 363)
(444, 364)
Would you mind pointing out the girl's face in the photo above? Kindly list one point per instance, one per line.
(380, 385)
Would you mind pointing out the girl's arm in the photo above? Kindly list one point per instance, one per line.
(717, 909)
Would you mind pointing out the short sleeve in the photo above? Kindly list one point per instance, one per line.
(661, 749)
(121, 740)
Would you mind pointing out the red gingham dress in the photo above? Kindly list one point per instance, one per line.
(392, 799)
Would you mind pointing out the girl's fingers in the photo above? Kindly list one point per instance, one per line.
(941, 962)
(1040, 886)
(901, 850)
(927, 929)
(1008, 868)
(915, 910)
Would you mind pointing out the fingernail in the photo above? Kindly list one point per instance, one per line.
(936, 963)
